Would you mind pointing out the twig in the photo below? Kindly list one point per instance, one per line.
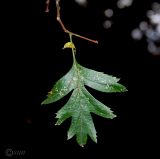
(64, 28)
(47, 6)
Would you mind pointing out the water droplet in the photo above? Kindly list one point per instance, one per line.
(97, 77)
(155, 18)
(108, 13)
(156, 6)
(60, 93)
(124, 3)
(103, 81)
(107, 24)
(152, 48)
(149, 13)
(56, 90)
(74, 78)
(143, 26)
(107, 86)
(137, 34)
(64, 89)
(152, 35)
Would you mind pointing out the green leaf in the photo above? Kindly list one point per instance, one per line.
(105, 88)
(97, 107)
(81, 103)
(62, 87)
(100, 81)
(82, 124)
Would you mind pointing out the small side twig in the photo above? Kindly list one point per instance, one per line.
(47, 6)
(66, 30)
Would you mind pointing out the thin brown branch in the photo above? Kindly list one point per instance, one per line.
(66, 30)
(47, 6)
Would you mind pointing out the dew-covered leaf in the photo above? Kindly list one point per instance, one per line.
(62, 87)
(97, 77)
(97, 107)
(100, 81)
(81, 103)
(81, 124)
(107, 88)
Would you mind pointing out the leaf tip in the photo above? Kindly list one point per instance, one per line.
(123, 89)
(113, 116)
(69, 137)
(82, 146)
(56, 115)
(43, 103)
(59, 122)
(95, 140)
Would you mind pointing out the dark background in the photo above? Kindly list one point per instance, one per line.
(33, 60)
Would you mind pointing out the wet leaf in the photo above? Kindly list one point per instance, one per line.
(100, 81)
(62, 87)
(81, 103)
